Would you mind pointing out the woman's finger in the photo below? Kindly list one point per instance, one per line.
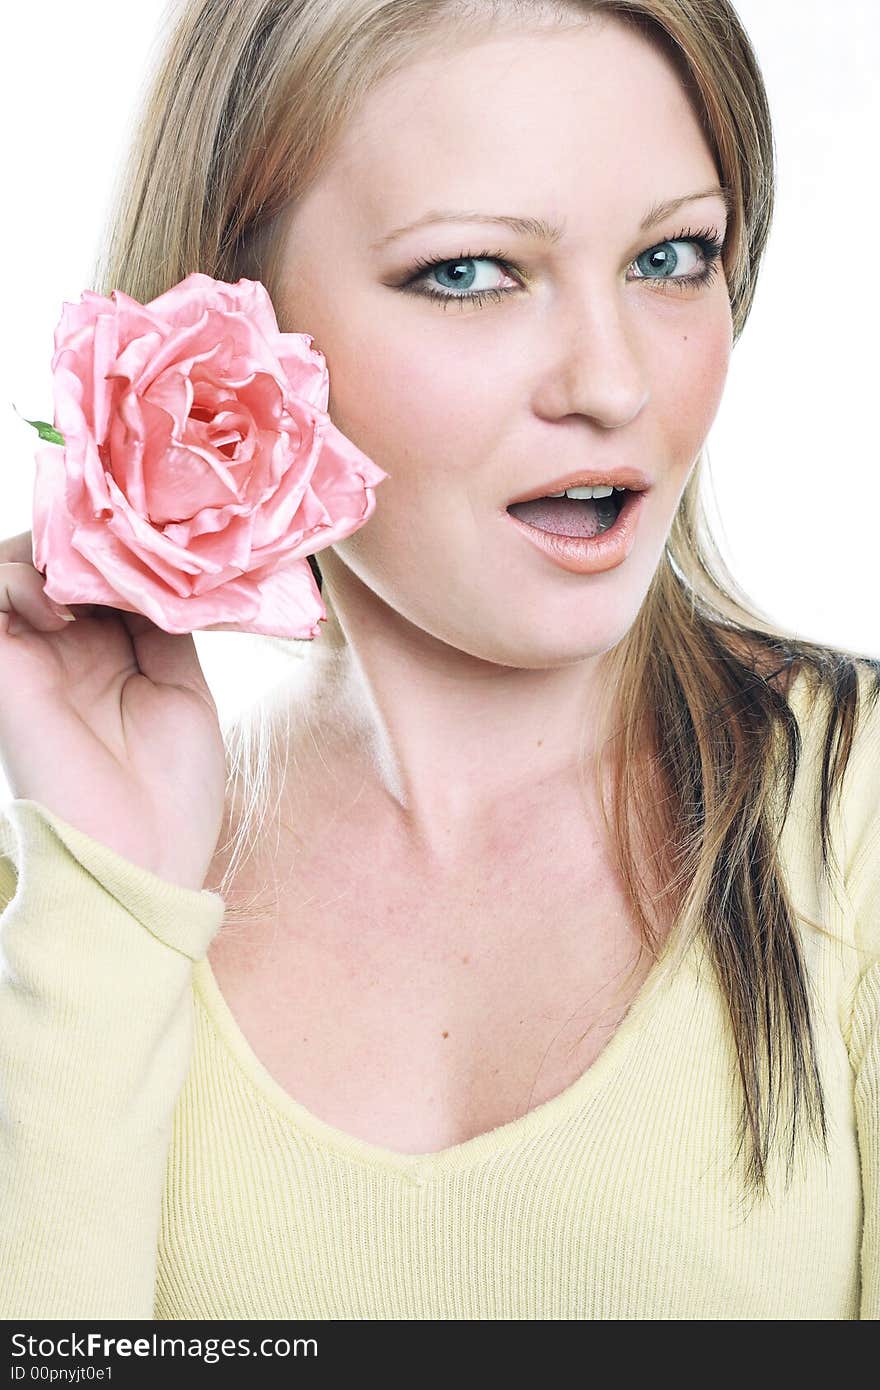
(17, 548)
(22, 596)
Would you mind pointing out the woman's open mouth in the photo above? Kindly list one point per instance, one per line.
(572, 516)
(584, 535)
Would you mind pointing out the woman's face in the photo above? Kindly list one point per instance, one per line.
(593, 354)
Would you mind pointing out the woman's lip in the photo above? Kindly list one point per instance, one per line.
(582, 555)
(632, 479)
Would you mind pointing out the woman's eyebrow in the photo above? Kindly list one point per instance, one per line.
(656, 213)
(545, 231)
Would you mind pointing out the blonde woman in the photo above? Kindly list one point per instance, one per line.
(520, 957)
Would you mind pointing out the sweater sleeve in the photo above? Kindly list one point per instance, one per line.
(863, 1041)
(96, 1029)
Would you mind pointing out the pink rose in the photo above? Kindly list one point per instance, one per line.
(199, 465)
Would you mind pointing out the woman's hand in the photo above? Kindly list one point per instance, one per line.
(108, 721)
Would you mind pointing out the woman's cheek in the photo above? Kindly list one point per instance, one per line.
(408, 399)
(717, 347)
(693, 385)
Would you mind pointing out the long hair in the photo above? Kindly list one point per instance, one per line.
(243, 103)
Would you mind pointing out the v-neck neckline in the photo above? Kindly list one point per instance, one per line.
(421, 1166)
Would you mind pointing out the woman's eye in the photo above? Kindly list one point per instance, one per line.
(462, 279)
(669, 263)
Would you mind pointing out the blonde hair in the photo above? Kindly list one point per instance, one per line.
(242, 109)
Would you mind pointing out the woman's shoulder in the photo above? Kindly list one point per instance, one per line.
(8, 872)
(838, 713)
(839, 722)
(861, 796)
(846, 698)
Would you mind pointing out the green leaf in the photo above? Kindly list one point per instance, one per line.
(46, 431)
(43, 428)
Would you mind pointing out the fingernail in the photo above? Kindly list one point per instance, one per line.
(63, 611)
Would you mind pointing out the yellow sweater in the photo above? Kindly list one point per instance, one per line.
(150, 1167)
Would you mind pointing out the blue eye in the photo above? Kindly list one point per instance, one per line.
(710, 249)
(458, 269)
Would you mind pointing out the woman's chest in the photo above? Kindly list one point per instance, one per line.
(414, 1019)
(569, 1216)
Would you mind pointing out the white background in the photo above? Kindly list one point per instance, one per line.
(794, 461)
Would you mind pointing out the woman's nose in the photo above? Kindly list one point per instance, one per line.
(594, 367)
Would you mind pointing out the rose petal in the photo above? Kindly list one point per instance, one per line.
(290, 589)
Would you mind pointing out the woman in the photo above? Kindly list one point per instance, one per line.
(550, 964)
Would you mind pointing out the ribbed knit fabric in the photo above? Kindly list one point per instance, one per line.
(152, 1168)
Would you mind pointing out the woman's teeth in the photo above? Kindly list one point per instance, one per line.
(601, 490)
